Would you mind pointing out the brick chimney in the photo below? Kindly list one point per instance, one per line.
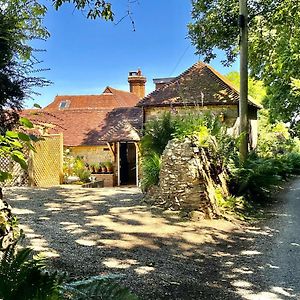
(137, 83)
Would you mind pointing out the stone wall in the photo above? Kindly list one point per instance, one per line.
(230, 112)
(190, 179)
(108, 179)
(92, 154)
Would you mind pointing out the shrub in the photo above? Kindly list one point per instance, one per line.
(151, 169)
(203, 129)
(274, 139)
(96, 287)
(157, 134)
(259, 175)
(83, 174)
(23, 277)
(191, 124)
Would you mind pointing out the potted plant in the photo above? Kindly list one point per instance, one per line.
(96, 167)
(92, 168)
(103, 168)
(109, 166)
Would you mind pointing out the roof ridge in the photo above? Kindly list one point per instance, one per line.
(229, 84)
(82, 95)
(174, 80)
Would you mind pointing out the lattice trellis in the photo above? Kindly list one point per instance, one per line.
(45, 165)
(20, 176)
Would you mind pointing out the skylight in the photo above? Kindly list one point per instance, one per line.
(64, 104)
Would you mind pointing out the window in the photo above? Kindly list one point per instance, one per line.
(64, 104)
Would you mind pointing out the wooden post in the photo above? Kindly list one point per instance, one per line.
(243, 103)
(61, 146)
(111, 149)
(137, 162)
(31, 168)
(118, 162)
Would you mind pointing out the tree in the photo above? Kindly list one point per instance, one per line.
(257, 89)
(274, 28)
(20, 23)
(95, 8)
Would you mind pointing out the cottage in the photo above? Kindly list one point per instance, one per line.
(99, 128)
(107, 127)
(200, 88)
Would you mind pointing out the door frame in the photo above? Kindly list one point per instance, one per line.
(136, 162)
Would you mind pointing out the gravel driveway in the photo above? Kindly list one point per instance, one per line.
(94, 231)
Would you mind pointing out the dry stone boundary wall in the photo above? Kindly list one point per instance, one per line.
(190, 179)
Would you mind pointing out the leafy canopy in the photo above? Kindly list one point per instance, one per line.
(95, 8)
(274, 28)
(20, 23)
(256, 88)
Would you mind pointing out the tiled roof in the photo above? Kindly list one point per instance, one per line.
(123, 124)
(79, 127)
(198, 85)
(84, 120)
(90, 126)
(109, 99)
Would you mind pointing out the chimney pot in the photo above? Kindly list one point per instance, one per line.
(137, 83)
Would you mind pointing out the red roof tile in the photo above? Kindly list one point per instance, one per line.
(82, 121)
(122, 124)
(109, 99)
(79, 127)
(198, 85)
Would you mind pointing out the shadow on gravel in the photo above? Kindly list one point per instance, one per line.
(89, 232)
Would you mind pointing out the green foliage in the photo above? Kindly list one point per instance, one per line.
(274, 28)
(259, 176)
(206, 130)
(12, 145)
(96, 9)
(256, 88)
(20, 23)
(273, 139)
(24, 278)
(96, 287)
(80, 170)
(238, 206)
(84, 175)
(75, 166)
(157, 133)
(150, 169)
(192, 124)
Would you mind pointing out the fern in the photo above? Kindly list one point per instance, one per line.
(151, 169)
(24, 278)
(96, 287)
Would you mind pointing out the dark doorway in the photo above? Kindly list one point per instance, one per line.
(127, 163)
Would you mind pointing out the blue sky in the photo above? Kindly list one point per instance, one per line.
(84, 56)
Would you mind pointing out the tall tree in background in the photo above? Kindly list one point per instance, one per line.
(256, 88)
(274, 30)
(94, 8)
(20, 23)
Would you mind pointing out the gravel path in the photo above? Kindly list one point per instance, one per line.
(95, 231)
